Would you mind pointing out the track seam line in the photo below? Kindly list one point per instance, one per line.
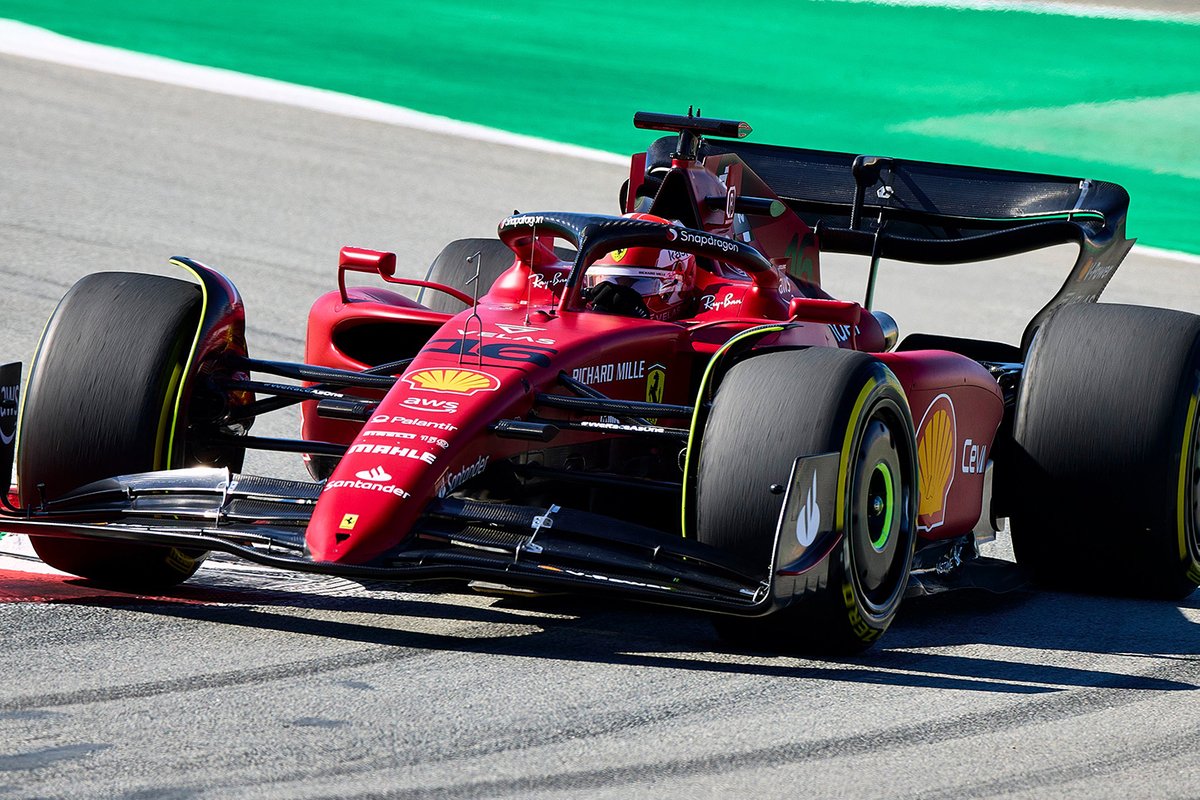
(1073, 704)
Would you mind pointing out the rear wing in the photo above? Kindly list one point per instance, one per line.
(939, 213)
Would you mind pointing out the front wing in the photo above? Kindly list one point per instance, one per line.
(263, 520)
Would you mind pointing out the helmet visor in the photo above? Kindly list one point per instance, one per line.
(646, 282)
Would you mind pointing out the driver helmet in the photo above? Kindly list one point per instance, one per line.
(665, 279)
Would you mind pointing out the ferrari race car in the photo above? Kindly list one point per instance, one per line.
(662, 404)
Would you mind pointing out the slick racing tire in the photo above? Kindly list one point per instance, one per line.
(100, 402)
(771, 409)
(1106, 477)
(451, 269)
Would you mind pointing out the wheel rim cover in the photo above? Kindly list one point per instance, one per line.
(877, 488)
(884, 492)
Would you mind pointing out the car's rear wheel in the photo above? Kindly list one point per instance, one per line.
(773, 408)
(1106, 472)
(102, 401)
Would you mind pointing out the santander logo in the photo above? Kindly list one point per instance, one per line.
(376, 474)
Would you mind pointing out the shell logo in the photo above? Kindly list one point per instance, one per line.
(936, 438)
(453, 381)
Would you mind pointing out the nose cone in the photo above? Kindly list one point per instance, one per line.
(428, 432)
(354, 506)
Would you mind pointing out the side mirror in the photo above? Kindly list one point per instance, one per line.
(360, 259)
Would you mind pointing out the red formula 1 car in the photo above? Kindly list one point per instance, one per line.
(663, 405)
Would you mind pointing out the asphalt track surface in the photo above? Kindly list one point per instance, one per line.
(251, 684)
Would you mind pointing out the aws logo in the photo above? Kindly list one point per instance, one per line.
(453, 381)
(936, 439)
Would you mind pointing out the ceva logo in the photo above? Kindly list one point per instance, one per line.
(378, 474)
(809, 520)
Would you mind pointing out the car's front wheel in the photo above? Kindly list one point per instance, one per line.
(773, 408)
(103, 399)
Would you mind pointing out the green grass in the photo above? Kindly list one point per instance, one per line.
(1098, 98)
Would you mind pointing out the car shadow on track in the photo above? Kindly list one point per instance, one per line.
(945, 642)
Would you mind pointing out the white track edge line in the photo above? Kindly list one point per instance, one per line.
(1169, 255)
(1087, 10)
(28, 41)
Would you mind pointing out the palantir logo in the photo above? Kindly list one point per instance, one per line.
(809, 520)
(376, 474)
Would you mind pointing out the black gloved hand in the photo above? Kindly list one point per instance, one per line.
(613, 299)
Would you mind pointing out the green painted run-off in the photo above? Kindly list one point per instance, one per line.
(1106, 99)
